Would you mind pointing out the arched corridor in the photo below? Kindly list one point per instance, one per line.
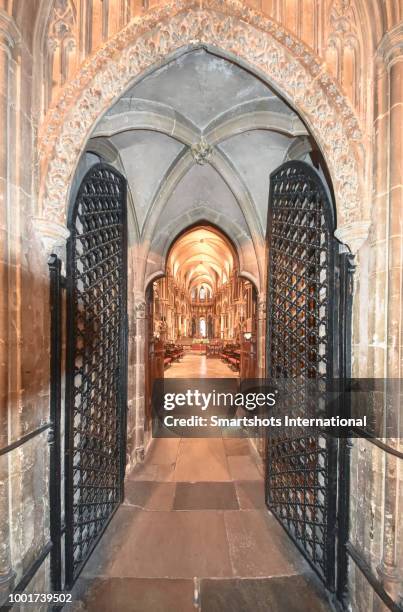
(201, 201)
(202, 305)
(201, 282)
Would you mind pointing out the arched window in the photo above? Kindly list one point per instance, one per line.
(203, 328)
(202, 293)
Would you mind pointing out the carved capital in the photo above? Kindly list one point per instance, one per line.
(391, 45)
(140, 309)
(53, 236)
(139, 454)
(261, 306)
(353, 235)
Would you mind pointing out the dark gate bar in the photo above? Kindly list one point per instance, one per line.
(56, 283)
(346, 273)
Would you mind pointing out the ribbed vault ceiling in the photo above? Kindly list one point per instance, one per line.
(201, 257)
(155, 124)
(199, 133)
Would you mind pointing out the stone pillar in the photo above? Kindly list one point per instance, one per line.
(9, 38)
(131, 371)
(261, 334)
(391, 51)
(261, 340)
(140, 369)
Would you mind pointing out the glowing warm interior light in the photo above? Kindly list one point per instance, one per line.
(199, 258)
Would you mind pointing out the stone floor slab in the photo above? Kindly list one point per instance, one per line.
(164, 451)
(259, 546)
(285, 594)
(236, 446)
(134, 595)
(205, 496)
(176, 524)
(108, 548)
(152, 471)
(173, 545)
(150, 495)
(251, 494)
(201, 460)
(243, 468)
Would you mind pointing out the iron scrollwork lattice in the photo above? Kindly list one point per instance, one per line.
(301, 464)
(96, 362)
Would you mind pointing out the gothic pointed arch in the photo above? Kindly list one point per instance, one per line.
(230, 30)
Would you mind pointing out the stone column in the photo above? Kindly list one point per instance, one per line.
(379, 246)
(9, 38)
(261, 334)
(261, 356)
(391, 50)
(141, 335)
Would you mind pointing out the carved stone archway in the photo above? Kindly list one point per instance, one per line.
(231, 30)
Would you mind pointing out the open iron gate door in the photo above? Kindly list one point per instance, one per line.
(305, 330)
(95, 425)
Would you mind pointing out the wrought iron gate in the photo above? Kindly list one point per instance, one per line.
(304, 330)
(96, 362)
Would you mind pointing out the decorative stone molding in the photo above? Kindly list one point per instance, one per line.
(261, 306)
(237, 32)
(140, 309)
(61, 25)
(344, 52)
(391, 46)
(298, 149)
(342, 17)
(139, 454)
(10, 37)
(53, 236)
(202, 152)
(149, 116)
(256, 114)
(353, 235)
(60, 45)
